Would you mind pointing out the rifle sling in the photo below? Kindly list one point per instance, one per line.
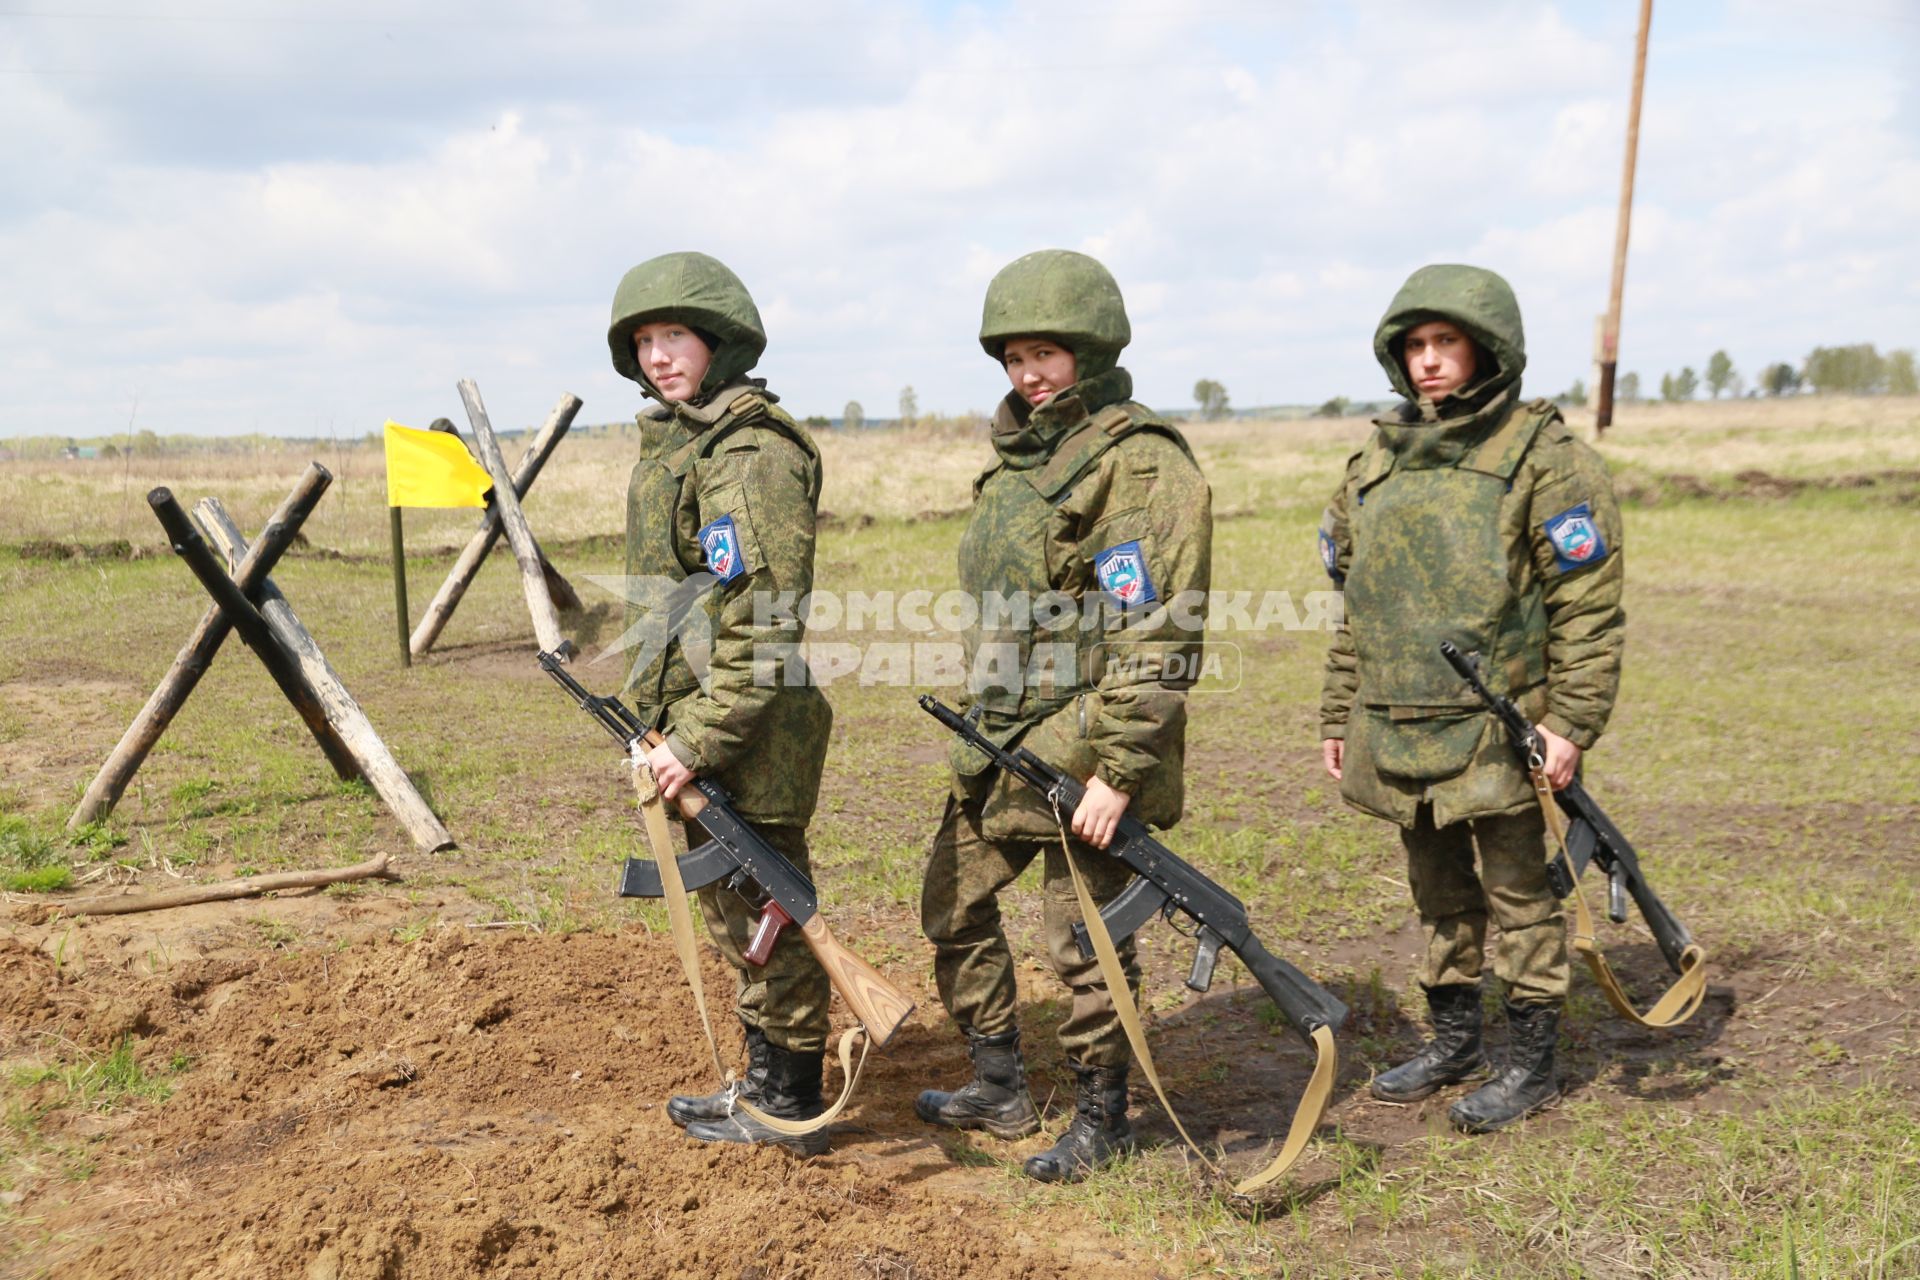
(680, 922)
(1682, 1000)
(1313, 1102)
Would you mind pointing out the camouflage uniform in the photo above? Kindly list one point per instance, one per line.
(1484, 521)
(727, 486)
(1091, 491)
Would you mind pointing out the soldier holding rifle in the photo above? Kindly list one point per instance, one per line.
(728, 485)
(1092, 499)
(1474, 517)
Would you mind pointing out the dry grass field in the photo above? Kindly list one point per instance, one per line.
(460, 1071)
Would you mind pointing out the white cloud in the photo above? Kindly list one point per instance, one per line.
(280, 221)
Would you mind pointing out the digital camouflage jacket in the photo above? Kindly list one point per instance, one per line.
(1482, 520)
(721, 509)
(1092, 493)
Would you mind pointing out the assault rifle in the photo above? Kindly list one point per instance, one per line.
(739, 854)
(1164, 884)
(1591, 835)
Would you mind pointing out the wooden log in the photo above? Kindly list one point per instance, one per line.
(104, 792)
(434, 620)
(190, 547)
(546, 623)
(123, 904)
(382, 771)
(564, 596)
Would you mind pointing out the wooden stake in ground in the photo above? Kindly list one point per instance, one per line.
(546, 623)
(434, 620)
(122, 904)
(400, 581)
(104, 792)
(382, 771)
(1610, 340)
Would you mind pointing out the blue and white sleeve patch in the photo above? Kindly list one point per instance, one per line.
(1576, 538)
(1330, 556)
(1122, 570)
(721, 542)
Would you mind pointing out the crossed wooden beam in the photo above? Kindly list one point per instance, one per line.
(542, 584)
(250, 603)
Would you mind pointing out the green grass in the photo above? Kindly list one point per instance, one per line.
(1762, 755)
(100, 1082)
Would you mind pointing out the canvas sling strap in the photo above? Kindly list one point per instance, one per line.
(1683, 998)
(1313, 1103)
(653, 811)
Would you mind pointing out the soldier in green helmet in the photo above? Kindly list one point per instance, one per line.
(1093, 502)
(721, 509)
(1477, 517)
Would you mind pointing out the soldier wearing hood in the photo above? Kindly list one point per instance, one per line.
(721, 509)
(1094, 501)
(1475, 517)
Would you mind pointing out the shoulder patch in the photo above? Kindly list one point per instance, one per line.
(1122, 571)
(1576, 538)
(721, 542)
(1329, 555)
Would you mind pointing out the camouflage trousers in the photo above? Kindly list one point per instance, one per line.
(972, 964)
(786, 998)
(1511, 886)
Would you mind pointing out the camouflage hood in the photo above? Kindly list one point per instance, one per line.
(700, 292)
(1062, 295)
(1483, 305)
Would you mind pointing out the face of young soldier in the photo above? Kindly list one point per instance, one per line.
(672, 356)
(1440, 359)
(1038, 367)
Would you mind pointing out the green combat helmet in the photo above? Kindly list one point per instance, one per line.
(1062, 295)
(699, 292)
(1477, 300)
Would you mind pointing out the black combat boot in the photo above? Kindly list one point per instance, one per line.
(1527, 1084)
(1099, 1133)
(1451, 1056)
(684, 1109)
(789, 1091)
(996, 1099)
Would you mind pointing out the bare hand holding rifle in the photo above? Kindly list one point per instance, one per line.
(1585, 834)
(1165, 884)
(738, 854)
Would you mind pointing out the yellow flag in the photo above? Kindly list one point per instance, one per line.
(432, 469)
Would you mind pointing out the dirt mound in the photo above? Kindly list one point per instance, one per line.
(477, 1103)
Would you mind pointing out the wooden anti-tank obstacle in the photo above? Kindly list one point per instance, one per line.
(251, 604)
(434, 620)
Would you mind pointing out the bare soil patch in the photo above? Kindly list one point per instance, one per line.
(480, 1102)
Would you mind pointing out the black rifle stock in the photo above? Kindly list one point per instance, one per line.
(1165, 884)
(1591, 835)
(738, 853)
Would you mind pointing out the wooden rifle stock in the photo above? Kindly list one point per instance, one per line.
(880, 1006)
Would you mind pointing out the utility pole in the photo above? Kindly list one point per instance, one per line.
(1610, 332)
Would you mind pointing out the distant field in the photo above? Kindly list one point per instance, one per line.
(1765, 754)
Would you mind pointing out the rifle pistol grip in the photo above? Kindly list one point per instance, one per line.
(772, 921)
(1205, 956)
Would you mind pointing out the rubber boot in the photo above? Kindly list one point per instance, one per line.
(1099, 1133)
(996, 1099)
(684, 1109)
(1527, 1084)
(791, 1091)
(1451, 1056)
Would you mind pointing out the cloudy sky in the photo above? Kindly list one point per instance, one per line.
(305, 218)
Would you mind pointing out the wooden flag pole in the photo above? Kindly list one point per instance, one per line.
(1610, 339)
(400, 585)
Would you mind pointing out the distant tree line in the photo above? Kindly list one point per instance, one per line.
(1856, 370)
